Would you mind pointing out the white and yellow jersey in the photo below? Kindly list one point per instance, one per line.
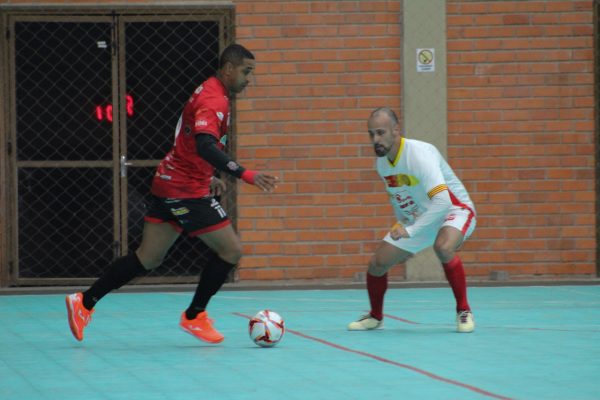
(418, 173)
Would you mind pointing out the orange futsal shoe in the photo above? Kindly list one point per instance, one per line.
(79, 316)
(201, 327)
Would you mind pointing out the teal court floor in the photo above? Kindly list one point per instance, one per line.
(535, 343)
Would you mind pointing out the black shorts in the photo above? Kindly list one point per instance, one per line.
(193, 216)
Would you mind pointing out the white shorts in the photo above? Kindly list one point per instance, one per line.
(462, 219)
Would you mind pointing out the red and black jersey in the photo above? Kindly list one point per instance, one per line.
(183, 173)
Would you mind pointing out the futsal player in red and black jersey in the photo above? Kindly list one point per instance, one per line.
(183, 191)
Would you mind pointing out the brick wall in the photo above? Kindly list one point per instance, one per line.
(521, 132)
(322, 68)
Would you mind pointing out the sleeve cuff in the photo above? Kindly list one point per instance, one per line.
(248, 176)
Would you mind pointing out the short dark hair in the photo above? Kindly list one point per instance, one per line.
(386, 110)
(235, 54)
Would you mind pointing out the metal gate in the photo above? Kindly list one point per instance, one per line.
(96, 99)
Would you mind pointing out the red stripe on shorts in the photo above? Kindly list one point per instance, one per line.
(457, 202)
(154, 220)
(211, 228)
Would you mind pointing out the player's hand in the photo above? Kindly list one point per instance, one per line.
(397, 232)
(265, 182)
(217, 187)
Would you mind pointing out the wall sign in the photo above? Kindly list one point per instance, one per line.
(425, 60)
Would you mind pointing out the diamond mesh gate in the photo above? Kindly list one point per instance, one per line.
(96, 102)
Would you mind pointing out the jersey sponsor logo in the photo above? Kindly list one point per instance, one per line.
(404, 202)
(196, 92)
(201, 123)
(179, 211)
(201, 114)
(407, 206)
(401, 180)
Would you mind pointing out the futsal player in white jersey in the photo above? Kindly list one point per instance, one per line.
(432, 208)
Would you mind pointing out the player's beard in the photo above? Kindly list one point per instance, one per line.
(380, 150)
(241, 87)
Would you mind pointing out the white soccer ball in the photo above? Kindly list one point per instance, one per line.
(266, 328)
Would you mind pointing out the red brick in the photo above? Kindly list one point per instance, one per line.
(516, 19)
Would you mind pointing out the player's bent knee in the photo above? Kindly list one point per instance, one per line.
(377, 268)
(444, 251)
(231, 254)
(150, 265)
(149, 261)
(377, 272)
(233, 258)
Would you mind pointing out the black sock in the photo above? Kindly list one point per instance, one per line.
(121, 271)
(211, 279)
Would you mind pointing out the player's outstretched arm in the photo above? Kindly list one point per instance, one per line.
(206, 147)
(266, 182)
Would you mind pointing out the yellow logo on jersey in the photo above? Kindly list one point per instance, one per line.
(401, 180)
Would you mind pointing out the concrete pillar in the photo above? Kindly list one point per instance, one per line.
(424, 97)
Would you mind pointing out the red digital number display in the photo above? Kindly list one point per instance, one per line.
(105, 113)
